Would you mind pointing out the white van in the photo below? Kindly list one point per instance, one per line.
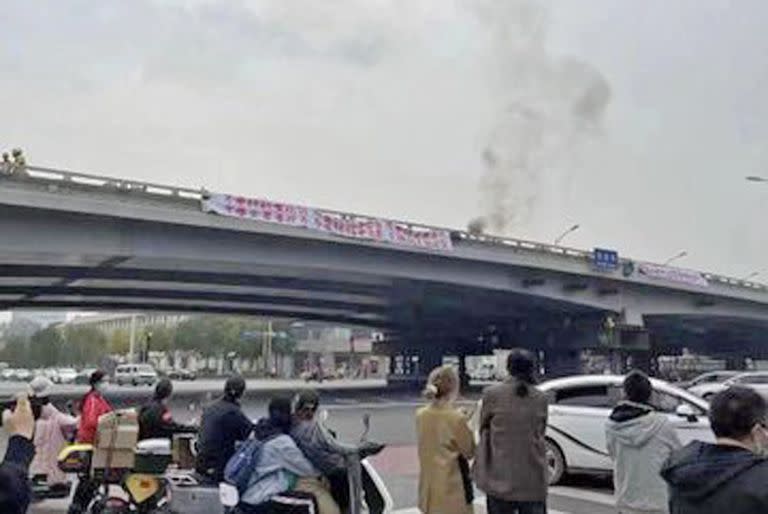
(135, 374)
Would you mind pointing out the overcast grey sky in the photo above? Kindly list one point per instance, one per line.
(386, 107)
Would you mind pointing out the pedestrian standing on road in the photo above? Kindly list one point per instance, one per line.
(730, 476)
(640, 440)
(445, 444)
(510, 464)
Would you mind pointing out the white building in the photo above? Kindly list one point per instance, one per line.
(110, 323)
(42, 318)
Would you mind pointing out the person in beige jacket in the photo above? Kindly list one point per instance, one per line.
(510, 465)
(444, 438)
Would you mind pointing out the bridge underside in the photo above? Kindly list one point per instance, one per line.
(132, 283)
(430, 304)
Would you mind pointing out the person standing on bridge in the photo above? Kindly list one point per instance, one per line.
(511, 464)
(445, 444)
(639, 441)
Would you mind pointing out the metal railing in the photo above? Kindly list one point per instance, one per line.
(54, 176)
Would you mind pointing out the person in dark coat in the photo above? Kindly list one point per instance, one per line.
(223, 425)
(510, 464)
(730, 476)
(15, 493)
(155, 418)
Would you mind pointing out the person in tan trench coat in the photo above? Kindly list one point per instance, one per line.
(511, 465)
(444, 437)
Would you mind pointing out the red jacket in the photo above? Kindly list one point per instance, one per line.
(94, 405)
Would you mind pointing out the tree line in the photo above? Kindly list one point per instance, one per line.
(208, 335)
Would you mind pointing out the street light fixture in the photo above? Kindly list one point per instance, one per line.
(754, 178)
(675, 257)
(564, 234)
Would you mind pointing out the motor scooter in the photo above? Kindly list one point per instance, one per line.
(191, 495)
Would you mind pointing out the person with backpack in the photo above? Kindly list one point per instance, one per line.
(223, 425)
(510, 464)
(639, 441)
(276, 465)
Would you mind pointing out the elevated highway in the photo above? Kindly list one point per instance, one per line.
(73, 240)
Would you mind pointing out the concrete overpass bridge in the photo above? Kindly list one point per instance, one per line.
(73, 240)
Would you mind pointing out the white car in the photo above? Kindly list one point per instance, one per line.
(708, 384)
(757, 380)
(135, 374)
(65, 376)
(579, 409)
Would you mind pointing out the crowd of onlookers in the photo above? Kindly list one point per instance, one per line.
(653, 472)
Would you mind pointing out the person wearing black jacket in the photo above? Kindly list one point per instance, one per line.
(223, 425)
(730, 475)
(15, 492)
(155, 418)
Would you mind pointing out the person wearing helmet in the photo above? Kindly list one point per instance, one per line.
(222, 426)
(155, 418)
(51, 429)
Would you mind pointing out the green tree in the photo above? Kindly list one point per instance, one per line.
(84, 345)
(162, 339)
(120, 342)
(16, 351)
(217, 335)
(45, 346)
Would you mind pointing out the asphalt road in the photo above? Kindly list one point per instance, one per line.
(392, 421)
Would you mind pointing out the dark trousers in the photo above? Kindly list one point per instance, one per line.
(86, 489)
(497, 506)
(340, 490)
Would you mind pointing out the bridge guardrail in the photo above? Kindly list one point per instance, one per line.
(53, 176)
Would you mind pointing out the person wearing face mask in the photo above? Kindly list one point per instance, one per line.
(730, 475)
(92, 407)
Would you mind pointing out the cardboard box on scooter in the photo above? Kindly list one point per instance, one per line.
(113, 459)
(118, 430)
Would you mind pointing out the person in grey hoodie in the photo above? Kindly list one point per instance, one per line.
(730, 476)
(640, 441)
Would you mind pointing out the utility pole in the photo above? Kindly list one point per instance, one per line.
(132, 340)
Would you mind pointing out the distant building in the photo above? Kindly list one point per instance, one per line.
(42, 319)
(110, 323)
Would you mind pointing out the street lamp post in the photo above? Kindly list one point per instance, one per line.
(755, 178)
(675, 257)
(562, 236)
